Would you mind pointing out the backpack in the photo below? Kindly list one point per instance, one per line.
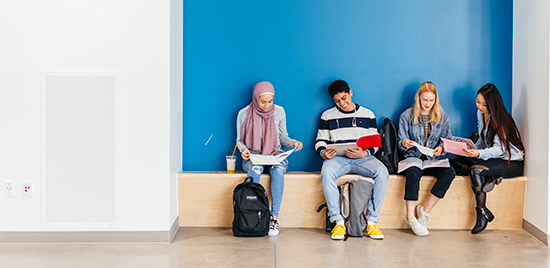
(388, 154)
(354, 198)
(251, 210)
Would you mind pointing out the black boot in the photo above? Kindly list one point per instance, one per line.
(484, 216)
(490, 184)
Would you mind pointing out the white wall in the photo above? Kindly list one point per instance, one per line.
(131, 36)
(176, 95)
(530, 103)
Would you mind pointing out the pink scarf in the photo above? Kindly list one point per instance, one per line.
(251, 127)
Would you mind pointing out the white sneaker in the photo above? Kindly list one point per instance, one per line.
(417, 228)
(273, 227)
(423, 217)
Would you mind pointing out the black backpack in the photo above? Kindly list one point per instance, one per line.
(251, 210)
(388, 154)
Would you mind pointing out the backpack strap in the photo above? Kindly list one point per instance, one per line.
(321, 207)
(246, 179)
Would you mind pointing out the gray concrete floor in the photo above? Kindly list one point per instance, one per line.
(217, 247)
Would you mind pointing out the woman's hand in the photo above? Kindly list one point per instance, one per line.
(471, 152)
(355, 153)
(438, 151)
(408, 143)
(299, 144)
(329, 153)
(245, 154)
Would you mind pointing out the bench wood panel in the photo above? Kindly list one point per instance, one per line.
(205, 200)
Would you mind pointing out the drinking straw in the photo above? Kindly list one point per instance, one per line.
(234, 151)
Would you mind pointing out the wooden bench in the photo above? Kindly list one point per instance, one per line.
(205, 200)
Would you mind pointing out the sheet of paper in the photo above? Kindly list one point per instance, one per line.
(341, 147)
(258, 159)
(425, 150)
(454, 147)
(282, 156)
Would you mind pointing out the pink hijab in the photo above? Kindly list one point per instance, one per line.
(251, 127)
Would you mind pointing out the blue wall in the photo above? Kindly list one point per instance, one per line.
(383, 49)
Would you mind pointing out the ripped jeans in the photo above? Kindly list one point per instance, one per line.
(277, 173)
(339, 166)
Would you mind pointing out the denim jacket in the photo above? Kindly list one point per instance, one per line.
(415, 132)
(496, 151)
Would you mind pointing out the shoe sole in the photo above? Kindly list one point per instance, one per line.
(269, 234)
(337, 237)
(488, 187)
(422, 234)
(375, 237)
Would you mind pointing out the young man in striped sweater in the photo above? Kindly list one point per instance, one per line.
(345, 123)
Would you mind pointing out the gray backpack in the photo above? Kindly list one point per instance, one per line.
(354, 198)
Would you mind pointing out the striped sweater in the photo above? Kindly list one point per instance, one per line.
(337, 126)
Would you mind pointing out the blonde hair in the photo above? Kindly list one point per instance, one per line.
(435, 112)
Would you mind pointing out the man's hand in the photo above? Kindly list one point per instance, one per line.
(329, 153)
(355, 153)
(245, 154)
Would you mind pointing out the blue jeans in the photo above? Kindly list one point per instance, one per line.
(367, 167)
(277, 173)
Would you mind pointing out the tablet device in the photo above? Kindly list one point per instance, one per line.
(341, 147)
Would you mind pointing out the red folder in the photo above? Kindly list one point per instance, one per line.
(369, 141)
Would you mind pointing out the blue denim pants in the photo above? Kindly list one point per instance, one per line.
(277, 173)
(367, 167)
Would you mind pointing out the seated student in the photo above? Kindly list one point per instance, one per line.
(261, 129)
(424, 123)
(499, 151)
(341, 124)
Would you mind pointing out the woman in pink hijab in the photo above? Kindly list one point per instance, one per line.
(261, 129)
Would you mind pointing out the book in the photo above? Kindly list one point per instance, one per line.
(417, 162)
(258, 159)
(458, 145)
(341, 147)
(363, 143)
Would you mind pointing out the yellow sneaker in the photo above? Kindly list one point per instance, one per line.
(338, 232)
(373, 232)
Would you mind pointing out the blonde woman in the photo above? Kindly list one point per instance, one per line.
(424, 123)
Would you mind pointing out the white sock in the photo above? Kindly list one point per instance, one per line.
(340, 222)
(371, 222)
(424, 212)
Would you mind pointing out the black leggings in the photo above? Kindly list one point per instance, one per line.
(495, 168)
(491, 169)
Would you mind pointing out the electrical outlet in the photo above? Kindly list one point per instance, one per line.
(8, 188)
(27, 189)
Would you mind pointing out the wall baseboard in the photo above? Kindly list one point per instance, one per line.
(86, 237)
(536, 232)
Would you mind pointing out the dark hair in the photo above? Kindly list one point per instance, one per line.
(501, 123)
(337, 87)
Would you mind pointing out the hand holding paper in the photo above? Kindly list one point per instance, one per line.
(425, 150)
(455, 147)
